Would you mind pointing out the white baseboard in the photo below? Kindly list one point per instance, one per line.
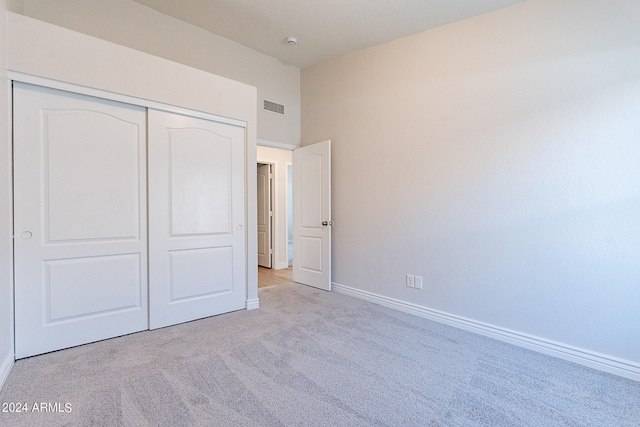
(613, 365)
(281, 265)
(252, 304)
(5, 368)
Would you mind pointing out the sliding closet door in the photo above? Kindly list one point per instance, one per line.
(80, 219)
(196, 218)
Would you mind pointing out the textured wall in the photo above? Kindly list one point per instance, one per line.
(497, 157)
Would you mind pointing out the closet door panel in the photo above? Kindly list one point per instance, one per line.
(200, 173)
(196, 218)
(80, 219)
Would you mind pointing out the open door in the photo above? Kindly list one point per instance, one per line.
(312, 215)
(265, 216)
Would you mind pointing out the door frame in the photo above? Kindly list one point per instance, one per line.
(289, 213)
(276, 193)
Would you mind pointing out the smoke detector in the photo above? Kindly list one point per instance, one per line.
(291, 41)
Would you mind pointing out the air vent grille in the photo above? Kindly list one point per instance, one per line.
(273, 107)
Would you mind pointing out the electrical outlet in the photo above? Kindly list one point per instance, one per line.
(410, 280)
(417, 283)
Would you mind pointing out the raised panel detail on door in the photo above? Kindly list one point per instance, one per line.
(201, 273)
(311, 191)
(73, 149)
(200, 173)
(80, 219)
(311, 254)
(196, 218)
(104, 284)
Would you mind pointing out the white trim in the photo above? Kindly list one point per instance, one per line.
(289, 213)
(602, 362)
(97, 93)
(281, 265)
(273, 144)
(5, 368)
(252, 304)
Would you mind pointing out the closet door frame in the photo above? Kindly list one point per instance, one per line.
(128, 99)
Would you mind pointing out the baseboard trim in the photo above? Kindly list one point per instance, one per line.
(602, 362)
(5, 368)
(252, 304)
(281, 265)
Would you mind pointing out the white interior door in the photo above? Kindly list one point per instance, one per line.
(196, 221)
(80, 219)
(265, 216)
(312, 215)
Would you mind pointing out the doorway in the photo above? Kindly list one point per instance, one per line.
(277, 162)
(310, 187)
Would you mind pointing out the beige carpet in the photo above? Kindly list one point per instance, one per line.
(309, 357)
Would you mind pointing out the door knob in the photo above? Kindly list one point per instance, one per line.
(26, 235)
(325, 223)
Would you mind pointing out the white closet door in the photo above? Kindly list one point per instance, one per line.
(196, 220)
(80, 219)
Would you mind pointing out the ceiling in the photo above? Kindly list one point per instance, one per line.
(324, 28)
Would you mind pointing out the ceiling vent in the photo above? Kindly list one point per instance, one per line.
(274, 107)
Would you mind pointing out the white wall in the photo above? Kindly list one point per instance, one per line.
(6, 228)
(499, 158)
(131, 24)
(279, 159)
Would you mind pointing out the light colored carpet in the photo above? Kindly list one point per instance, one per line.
(309, 357)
